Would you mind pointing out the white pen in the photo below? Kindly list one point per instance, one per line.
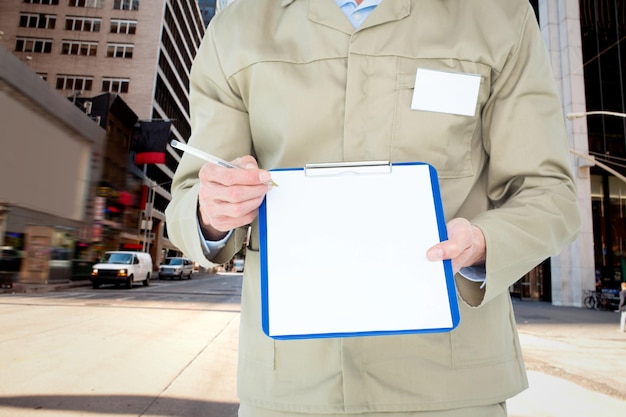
(207, 157)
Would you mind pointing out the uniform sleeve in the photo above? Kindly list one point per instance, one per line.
(530, 185)
(219, 126)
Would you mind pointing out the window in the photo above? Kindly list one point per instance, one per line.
(33, 45)
(37, 20)
(120, 50)
(115, 85)
(79, 48)
(74, 82)
(53, 2)
(127, 27)
(126, 4)
(43, 75)
(83, 24)
(86, 3)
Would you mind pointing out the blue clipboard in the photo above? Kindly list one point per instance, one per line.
(343, 252)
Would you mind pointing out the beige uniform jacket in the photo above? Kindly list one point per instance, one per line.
(291, 82)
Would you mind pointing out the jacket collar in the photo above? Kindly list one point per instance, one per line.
(326, 12)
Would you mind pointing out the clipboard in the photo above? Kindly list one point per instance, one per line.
(343, 252)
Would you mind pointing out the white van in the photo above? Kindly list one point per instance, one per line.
(176, 267)
(122, 267)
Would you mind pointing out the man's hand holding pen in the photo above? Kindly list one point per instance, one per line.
(229, 198)
(230, 192)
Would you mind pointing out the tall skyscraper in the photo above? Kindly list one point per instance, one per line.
(141, 50)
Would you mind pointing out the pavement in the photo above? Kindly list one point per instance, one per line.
(22, 288)
(576, 362)
(575, 357)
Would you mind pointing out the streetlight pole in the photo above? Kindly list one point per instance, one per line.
(576, 115)
(593, 160)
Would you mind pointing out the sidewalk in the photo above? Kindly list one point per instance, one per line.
(576, 361)
(19, 287)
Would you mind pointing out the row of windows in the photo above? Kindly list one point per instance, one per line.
(117, 4)
(85, 83)
(79, 48)
(127, 27)
(83, 24)
(84, 48)
(120, 50)
(33, 45)
(126, 4)
(40, 21)
(42, 1)
(77, 23)
(86, 3)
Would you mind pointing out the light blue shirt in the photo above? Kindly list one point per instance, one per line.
(211, 246)
(356, 14)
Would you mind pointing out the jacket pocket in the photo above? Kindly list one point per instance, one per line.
(486, 336)
(444, 140)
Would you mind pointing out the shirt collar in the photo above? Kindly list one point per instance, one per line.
(365, 3)
(340, 2)
(324, 13)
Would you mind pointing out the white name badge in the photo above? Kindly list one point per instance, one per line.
(446, 92)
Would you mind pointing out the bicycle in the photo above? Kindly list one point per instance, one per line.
(596, 300)
(591, 300)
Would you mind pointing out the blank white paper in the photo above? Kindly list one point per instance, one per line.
(347, 254)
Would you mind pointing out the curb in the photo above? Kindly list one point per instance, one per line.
(21, 288)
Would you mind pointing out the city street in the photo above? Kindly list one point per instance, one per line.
(148, 351)
(518, 110)
(170, 349)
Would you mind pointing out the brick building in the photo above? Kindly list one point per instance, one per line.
(139, 50)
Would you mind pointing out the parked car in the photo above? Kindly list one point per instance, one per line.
(10, 259)
(10, 263)
(176, 267)
(238, 265)
(122, 267)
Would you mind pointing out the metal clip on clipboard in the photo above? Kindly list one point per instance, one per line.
(344, 168)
